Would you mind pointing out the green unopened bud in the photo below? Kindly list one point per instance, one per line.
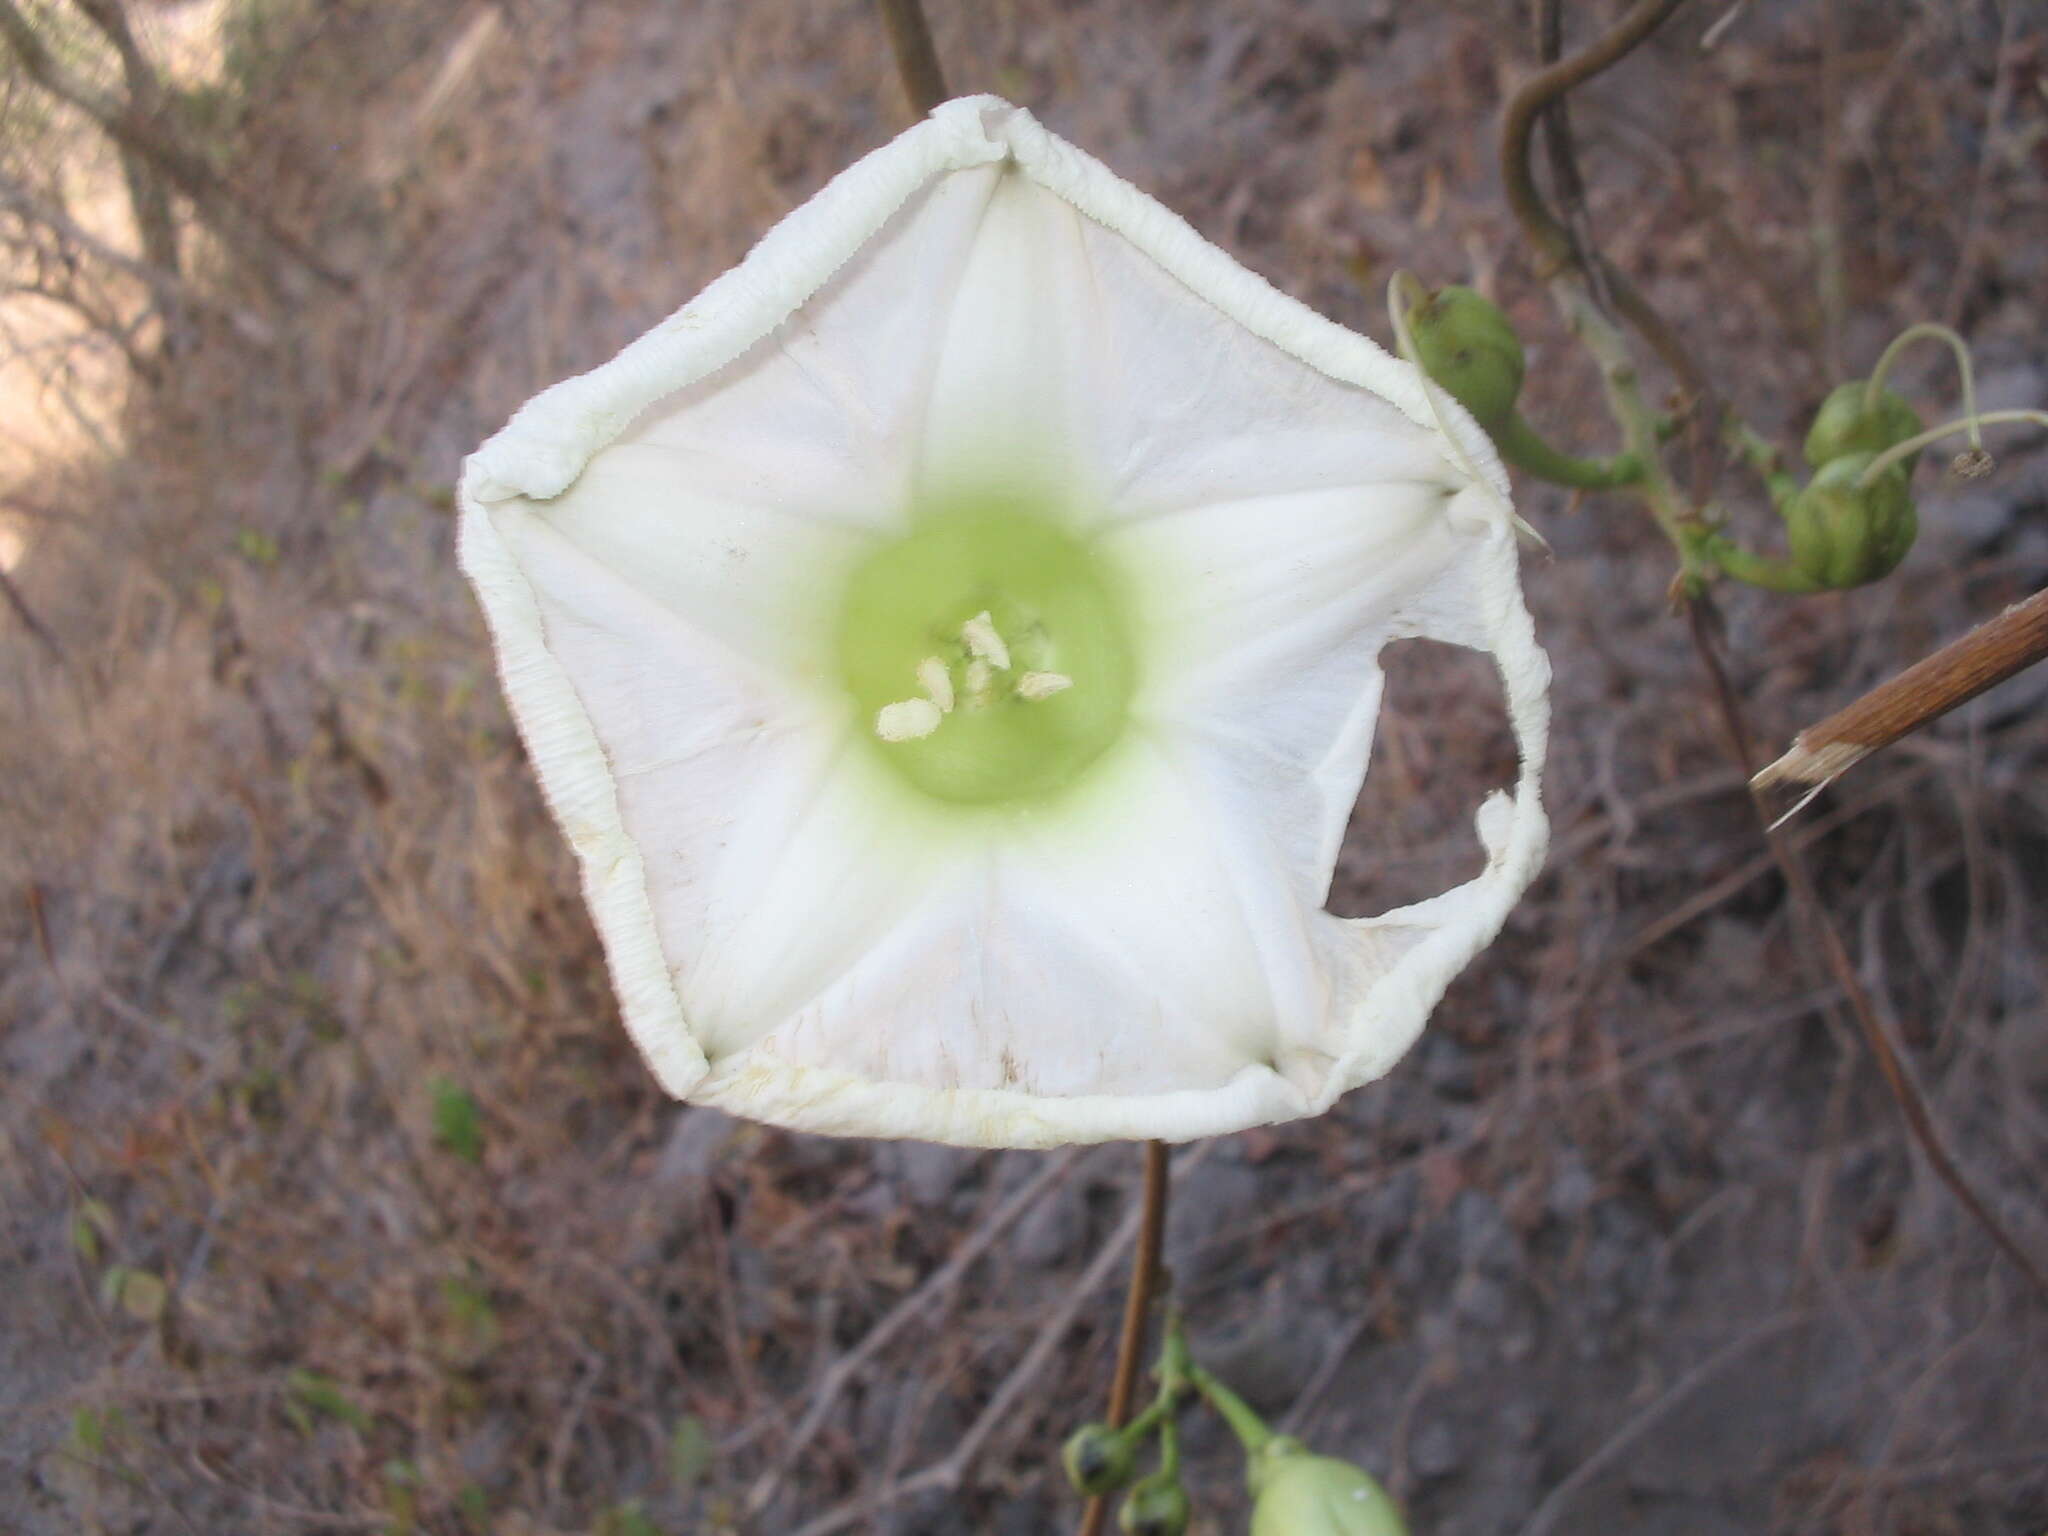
(1843, 534)
(1297, 1493)
(1099, 1459)
(1157, 1507)
(1851, 421)
(1465, 343)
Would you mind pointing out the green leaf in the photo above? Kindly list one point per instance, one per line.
(689, 1453)
(143, 1295)
(256, 547)
(89, 1431)
(469, 1304)
(92, 1226)
(458, 1125)
(626, 1519)
(323, 1395)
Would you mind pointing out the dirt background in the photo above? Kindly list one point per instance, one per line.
(303, 1018)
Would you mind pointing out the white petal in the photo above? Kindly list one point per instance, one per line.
(1056, 966)
(763, 581)
(772, 861)
(792, 932)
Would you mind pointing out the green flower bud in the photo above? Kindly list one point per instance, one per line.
(1099, 1459)
(1157, 1507)
(1843, 534)
(1842, 426)
(1465, 343)
(1296, 1493)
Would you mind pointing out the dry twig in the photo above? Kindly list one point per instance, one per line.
(1953, 675)
(1569, 268)
(843, 1370)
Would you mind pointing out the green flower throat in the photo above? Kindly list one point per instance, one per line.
(988, 652)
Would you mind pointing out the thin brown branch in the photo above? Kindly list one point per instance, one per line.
(1137, 1310)
(1925, 691)
(1562, 144)
(35, 626)
(917, 61)
(951, 1470)
(1835, 955)
(1535, 98)
(1547, 234)
(1970, 256)
(1547, 1514)
(849, 1365)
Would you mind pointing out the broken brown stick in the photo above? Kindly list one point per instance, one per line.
(1953, 675)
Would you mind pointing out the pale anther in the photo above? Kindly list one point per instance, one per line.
(1043, 685)
(907, 720)
(937, 683)
(984, 643)
(980, 681)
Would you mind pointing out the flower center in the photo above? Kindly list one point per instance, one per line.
(987, 652)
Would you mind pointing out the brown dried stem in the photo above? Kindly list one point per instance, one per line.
(1925, 691)
(1137, 1310)
(1835, 955)
(1569, 264)
(1545, 232)
(917, 61)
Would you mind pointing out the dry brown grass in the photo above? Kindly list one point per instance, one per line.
(1635, 1222)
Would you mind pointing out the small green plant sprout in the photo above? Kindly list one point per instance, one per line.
(309, 1393)
(627, 1519)
(140, 1293)
(92, 1227)
(458, 1124)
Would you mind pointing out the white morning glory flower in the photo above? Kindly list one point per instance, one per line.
(951, 641)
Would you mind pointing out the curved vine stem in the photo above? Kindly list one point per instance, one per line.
(1137, 1310)
(1549, 235)
(1569, 269)
(1927, 330)
(1978, 461)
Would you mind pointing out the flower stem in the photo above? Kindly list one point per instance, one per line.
(1137, 1308)
(1927, 331)
(1521, 447)
(1250, 1429)
(917, 61)
(1913, 445)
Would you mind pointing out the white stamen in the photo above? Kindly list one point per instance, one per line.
(980, 682)
(907, 720)
(983, 642)
(1043, 685)
(937, 683)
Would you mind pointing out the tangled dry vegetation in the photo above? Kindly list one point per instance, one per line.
(335, 1197)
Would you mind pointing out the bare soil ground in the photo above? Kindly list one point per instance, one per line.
(1633, 1242)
